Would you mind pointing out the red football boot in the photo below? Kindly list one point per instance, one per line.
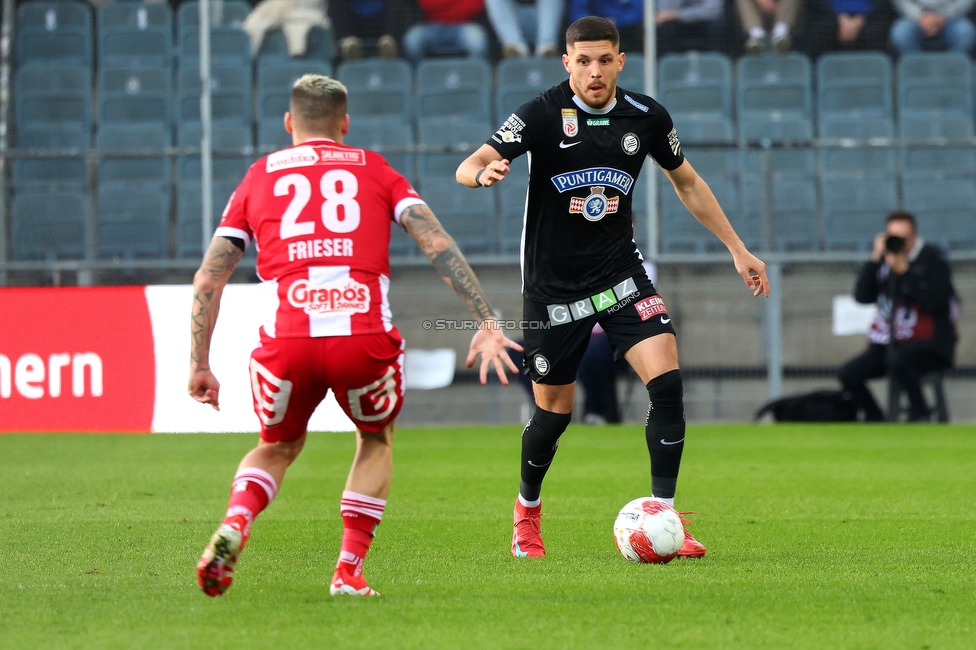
(345, 584)
(692, 547)
(527, 532)
(215, 571)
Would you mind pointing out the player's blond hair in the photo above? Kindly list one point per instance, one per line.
(317, 102)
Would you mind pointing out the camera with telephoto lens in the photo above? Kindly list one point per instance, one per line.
(894, 244)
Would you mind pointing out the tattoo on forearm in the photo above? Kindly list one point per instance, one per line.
(218, 265)
(447, 258)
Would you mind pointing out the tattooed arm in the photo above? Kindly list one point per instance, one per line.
(208, 285)
(443, 252)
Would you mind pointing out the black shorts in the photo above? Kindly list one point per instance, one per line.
(629, 313)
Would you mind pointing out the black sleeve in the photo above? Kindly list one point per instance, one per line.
(930, 288)
(236, 241)
(866, 289)
(664, 147)
(520, 131)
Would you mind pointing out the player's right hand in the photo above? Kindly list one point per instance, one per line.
(490, 342)
(204, 387)
(495, 171)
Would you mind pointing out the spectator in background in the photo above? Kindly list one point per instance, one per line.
(626, 15)
(857, 25)
(294, 17)
(514, 21)
(363, 27)
(933, 24)
(449, 28)
(912, 285)
(684, 25)
(768, 23)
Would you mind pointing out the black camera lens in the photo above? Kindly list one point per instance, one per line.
(894, 244)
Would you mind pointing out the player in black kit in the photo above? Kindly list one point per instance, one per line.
(587, 140)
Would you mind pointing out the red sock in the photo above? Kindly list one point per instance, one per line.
(251, 492)
(360, 517)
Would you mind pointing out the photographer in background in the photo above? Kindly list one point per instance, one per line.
(912, 285)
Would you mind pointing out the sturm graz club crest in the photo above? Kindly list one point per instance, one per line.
(630, 143)
(594, 206)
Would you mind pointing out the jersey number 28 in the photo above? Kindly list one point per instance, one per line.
(332, 200)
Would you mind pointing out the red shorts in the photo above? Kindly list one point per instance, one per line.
(291, 376)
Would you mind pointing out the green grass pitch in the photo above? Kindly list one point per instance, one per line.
(818, 537)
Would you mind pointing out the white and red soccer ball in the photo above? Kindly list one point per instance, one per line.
(648, 530)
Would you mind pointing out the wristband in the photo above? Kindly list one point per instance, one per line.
(477, 177)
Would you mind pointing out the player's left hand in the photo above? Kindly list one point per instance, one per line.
(753, 271)
(204, 387)
(490, 342)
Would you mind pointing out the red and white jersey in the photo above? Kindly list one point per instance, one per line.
(320, 215)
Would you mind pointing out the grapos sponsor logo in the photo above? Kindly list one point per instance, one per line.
(347, 296)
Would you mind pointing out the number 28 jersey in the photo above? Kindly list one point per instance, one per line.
(320, 215)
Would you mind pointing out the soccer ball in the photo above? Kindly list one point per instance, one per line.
(648, 530)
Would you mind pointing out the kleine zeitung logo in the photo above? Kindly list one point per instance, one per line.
(344, 297)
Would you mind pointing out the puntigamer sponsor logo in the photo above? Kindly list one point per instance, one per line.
(615, 178)
(34, 377)
(347, 297)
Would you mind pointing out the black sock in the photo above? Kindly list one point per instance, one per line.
(540, 438)
(665, 431)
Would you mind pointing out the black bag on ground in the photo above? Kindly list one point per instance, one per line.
(818, 406)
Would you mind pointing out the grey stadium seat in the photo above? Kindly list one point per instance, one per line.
(523, 79)
(68, 45)
(935, 83)
(681, 232)
(133, 219)
(45, 78)
(278, 74)
(450, 141)
(774, 97)
(632, 76)
(855, 207)
(132, 80)
(56, 110)
(134, 137)
(945, 209)
(224, 137)
(123, 46)
(229, 13)
(454, 88)
(468, 215)
(320, 46)
(379, 88)
(793, 211)
(140, 107)
(697, 90)
(49, 225)
(389, 138)
(189, 211)
(854, 85)
(957, 159)
(228, 46)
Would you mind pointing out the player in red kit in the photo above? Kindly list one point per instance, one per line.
(319, 213)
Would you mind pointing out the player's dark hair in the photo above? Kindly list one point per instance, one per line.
(901, 215)
(317, 102)
(592, 28)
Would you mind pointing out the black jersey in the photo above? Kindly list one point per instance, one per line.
(578, 230)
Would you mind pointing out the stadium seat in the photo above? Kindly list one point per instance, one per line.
(469, 216)
(43, 136)
(945, 209)
(229, 169)
(711, 162)
(935, 83)
(228, 46)
(54, 32)
(227, 106)
(454, 87)
(44, 78)
(133, 80)
(49, 174)
(272, 134)
(774, 97)
(854, 87)
(67, 45)
(140, 107)
(680, 231)
(222, 77)
(855, 206)
(224, 137)
(49, 225)
(942, 156)
(229, 13)
(448, 142)
(56, 110)
(511, 196)
(378, 88)
(136, 15)
(632, 76)
(134, 137)
(793, 224)
(131, 46)
(278, 74)
(389, 138)
(794, 162)
(133, 219)
(523, 79)
(697, 90)
(189, 211)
